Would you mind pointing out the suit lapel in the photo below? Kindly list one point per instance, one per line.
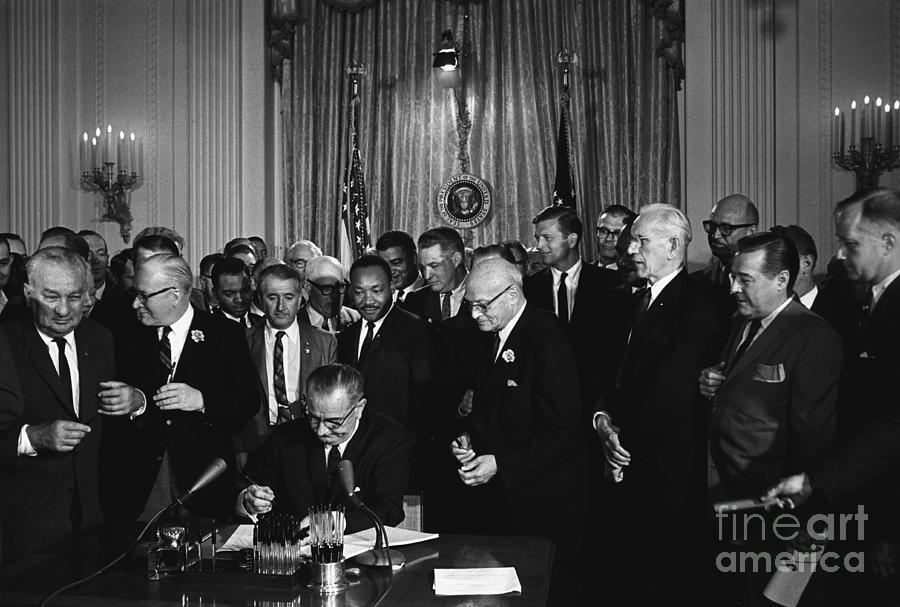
(189, 351)
(385, 332)
(88, 380)
(258, 353)
(763, 342)
(40, 359)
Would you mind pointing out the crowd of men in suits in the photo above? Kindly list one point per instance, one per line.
(604, 405)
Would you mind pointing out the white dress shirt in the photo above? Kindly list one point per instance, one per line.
(456, 298)
(290, 344)
(177, 337)
(364, 328)
(765, 322)
(810, 297)
(505, 331)
(573, 275)
(24, 446)
(879, 289)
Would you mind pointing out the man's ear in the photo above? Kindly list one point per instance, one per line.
(27, 291)
(362, 404)
(889, 241)
(457, 258)
(572, 237)
(783, 278)
(806, 264)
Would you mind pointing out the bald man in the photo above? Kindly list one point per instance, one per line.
(323, 291)
(521, 448)
(730, 219)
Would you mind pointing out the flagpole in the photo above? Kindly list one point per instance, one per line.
(354, 209)
(564, 183)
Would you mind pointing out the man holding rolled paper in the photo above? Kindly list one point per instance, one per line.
(297, 468)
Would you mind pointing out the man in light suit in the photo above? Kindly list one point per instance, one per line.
(196, 371)
(521, 448)
(651, 422)
(56, 383)
(323, 290)
(303, 349)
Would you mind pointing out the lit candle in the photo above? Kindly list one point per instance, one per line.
(85, 153)
(836, 131)
(842, 134)
(866, 119)
(896, 123)
(120, 151)
(888, 130)
(110, 143)
(853, 123)
(94, 152)
(878, 120)
(131, 155)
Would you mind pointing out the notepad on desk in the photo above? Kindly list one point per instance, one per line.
(476, 580)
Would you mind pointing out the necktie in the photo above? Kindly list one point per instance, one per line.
(247, 320)
(495, 346)
(331, 467)
(866, 310)
(562, 301)
(284, 405)
(65, 375)
(755, 326)
(325, 325)
(445, 306)
(643, 304)
(367, 342)
(165, 352)
(400, 294)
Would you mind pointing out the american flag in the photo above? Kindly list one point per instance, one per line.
(564, 185)
(355, 207)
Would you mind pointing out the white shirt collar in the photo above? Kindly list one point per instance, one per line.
(342, 446)
(181, 326)
(657, 287)
(765, 322)
(100, 291)
(292, 332)
(879, 289)
(505, 331)
(810, 297)
(572, 274)
(48, 341)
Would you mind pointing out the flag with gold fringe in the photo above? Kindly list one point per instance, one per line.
(355, 235)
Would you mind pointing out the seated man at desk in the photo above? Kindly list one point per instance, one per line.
(297, 468)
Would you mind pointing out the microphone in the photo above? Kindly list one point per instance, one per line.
(764, 503)
(212, 472)
(379, 556)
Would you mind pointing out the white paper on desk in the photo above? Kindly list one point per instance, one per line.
(476, 580)
(241, 537)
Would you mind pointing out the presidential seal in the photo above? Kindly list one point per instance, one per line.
(464, 201)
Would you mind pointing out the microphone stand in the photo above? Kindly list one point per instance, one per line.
(382, 555)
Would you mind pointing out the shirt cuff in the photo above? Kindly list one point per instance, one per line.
(239, 507)
(24, 446)
(597, 415)
(143, 406)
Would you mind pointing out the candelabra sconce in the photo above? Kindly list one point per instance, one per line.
(99, 159)
(878, 148)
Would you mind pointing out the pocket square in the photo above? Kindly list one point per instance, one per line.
(770, 374)
(511, 383)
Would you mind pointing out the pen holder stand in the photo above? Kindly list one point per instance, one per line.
(327, 578)
(326, 543)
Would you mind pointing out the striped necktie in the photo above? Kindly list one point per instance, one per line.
(165, 353)
(284, 405)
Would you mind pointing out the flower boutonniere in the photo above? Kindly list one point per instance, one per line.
(197, 335)
(508, 355)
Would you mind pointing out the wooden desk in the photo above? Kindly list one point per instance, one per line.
(26, 581)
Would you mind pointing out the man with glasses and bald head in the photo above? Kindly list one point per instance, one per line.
(298, 467)
(324, 290)
(196, 372)
(730, 219)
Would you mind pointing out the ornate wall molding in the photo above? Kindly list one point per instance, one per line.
(743, 101)
(33, 111)
(214, 124)
(150, 147)
(895, 49)
(824, 113)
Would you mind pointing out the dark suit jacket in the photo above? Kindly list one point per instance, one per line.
(255, 319)
(526, 413)
(398, 368)
(293, 465)
(219, 366)
(36, 493)
(657, 403)
(588, 327)
(318, 348)
(774, 414)
(714, 284)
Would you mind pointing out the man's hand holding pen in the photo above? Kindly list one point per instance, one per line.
(258, 499)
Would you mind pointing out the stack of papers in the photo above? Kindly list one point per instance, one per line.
(476, 580)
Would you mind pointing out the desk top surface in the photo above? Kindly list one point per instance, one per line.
(26, 581)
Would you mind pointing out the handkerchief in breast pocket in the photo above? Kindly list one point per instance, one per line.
(770, 374)
(511, 383)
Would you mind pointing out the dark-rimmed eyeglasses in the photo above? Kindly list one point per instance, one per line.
(145, 297)
(298, 262)
(482, 308)
(326, 290)
(606, 233)
(332, 423)
(725, 229)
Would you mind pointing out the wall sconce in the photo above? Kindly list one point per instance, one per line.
(446, 62)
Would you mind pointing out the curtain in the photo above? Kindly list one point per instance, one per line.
(624, 131)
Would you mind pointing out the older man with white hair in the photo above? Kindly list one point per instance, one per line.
(651, 421)
(196, 371)
(323, 290)
(521, 449)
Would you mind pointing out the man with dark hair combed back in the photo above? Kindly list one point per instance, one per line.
(773, 394)
(399, 250)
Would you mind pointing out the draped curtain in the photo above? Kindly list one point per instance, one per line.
(624, 132)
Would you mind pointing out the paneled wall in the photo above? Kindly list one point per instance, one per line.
(189, 77)
(763, 78)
